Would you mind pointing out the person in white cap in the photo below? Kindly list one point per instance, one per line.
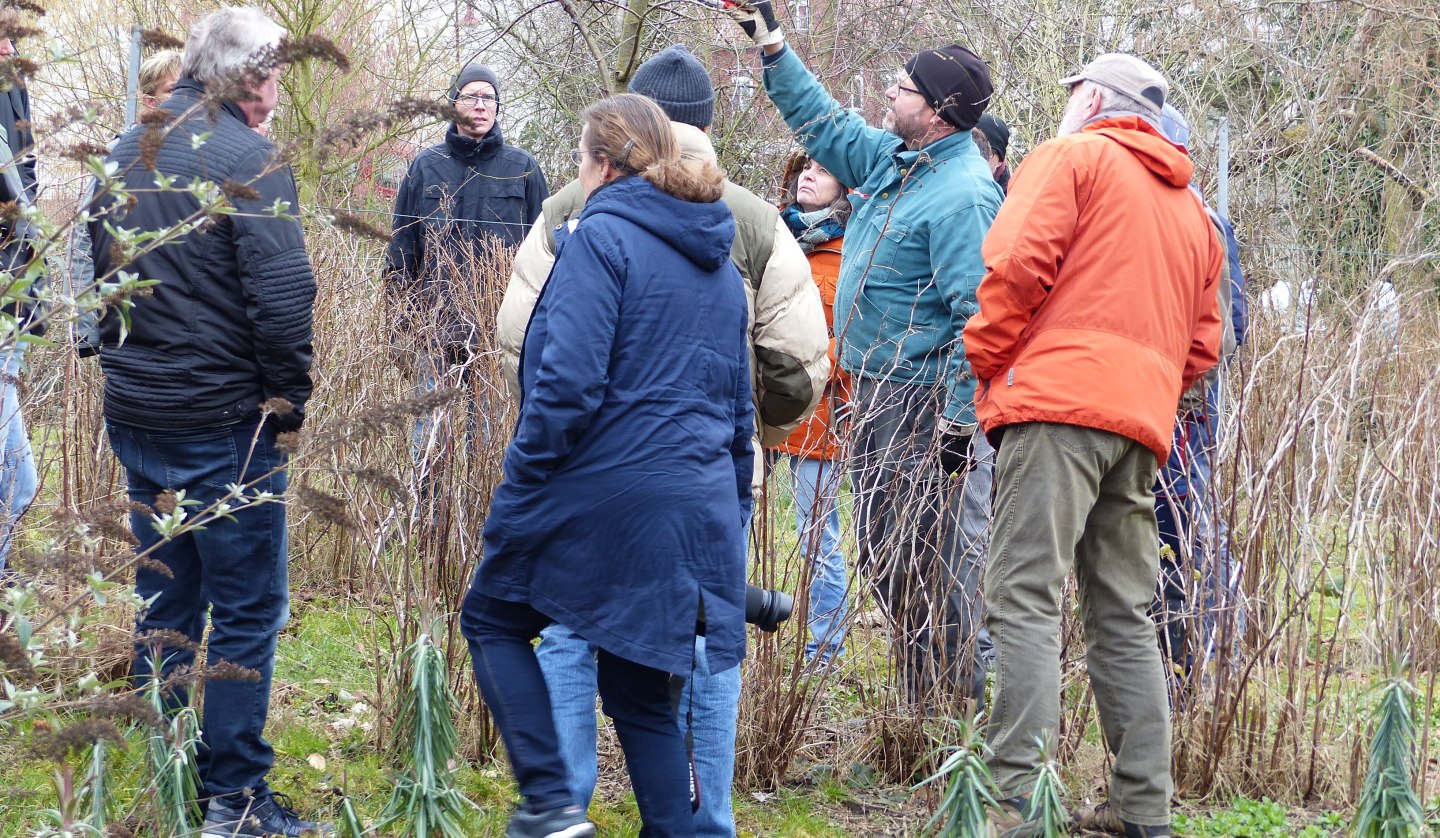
(1097, 310)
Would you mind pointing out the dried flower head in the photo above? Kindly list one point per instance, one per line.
(292, 50)
(223, 670)
(165, 502)
(13, 71)
(277, 406)
(56, 745)
(160, 39)
(288, 443)
(26, 6)
(83, 151)
(237, 191)
(355, 224)
(15, 660)
(167, 640)
(14, 26)
(150, 144)
(326, 507)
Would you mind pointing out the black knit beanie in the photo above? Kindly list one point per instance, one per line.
(954, 81)
(474, 71)
(679, 84)
(997, 132)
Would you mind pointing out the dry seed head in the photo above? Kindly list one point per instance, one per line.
(160, 39)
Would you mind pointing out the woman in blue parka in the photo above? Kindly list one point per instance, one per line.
(627, 484)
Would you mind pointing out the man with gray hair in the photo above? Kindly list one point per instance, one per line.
(214, 367)
(1097, 310)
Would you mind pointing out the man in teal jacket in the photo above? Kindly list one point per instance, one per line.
(908, 275)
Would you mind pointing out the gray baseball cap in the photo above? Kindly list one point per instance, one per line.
(1128, 75)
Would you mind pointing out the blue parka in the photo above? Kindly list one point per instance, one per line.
(627, 484)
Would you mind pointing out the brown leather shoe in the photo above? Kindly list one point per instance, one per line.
(1103, 818)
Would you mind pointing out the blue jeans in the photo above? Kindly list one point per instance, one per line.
(815, 485)
(636, 697)
(234, 569)
(568, 663)
(18, 480)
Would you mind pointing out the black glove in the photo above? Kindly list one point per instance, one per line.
(757, 18)
(955, 457)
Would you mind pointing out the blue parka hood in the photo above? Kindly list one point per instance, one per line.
(702, 232)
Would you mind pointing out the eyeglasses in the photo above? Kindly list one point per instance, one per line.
(471, 100)
(577, 156)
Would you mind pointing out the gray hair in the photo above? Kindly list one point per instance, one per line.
(225, 45)
(1115, 103)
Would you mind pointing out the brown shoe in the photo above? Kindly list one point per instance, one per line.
(1103, 818)
(1009, 820)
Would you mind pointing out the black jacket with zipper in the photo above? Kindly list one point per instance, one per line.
(229, 324)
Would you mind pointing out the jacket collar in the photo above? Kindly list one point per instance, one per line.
(188, 91)
(694, 143)
(467, 149)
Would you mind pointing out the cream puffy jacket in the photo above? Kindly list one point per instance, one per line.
(789, 342)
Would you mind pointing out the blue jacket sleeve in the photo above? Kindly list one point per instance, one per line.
(835, 136)
(959, 267)
(405, 253)
(581, 307)
(1239, 306)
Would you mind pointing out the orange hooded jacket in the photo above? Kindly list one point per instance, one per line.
(1099, 304)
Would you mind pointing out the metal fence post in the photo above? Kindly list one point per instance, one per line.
(132, 79)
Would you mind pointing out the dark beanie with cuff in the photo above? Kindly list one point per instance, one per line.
(679, 84)
(474, 71)
(954, 81)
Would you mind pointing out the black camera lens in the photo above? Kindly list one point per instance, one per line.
(765, 609)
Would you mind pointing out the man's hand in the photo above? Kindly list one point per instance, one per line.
(757, 18)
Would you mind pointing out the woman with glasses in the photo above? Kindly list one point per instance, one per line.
(628, 479)
(816, 208)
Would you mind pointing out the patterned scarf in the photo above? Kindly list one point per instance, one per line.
(812, 229)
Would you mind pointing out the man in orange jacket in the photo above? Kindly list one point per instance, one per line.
(1097, 310)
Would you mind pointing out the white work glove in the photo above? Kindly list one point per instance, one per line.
(757, 18)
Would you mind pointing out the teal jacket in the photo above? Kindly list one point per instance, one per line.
(912, 259)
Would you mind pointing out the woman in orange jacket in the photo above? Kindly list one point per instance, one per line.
(816, 208)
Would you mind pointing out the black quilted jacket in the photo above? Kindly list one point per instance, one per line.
(229, 325)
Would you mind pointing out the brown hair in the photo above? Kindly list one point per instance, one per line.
(840, 207)
(634, 135)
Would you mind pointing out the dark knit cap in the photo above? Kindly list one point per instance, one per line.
(679, 84)
(474, 71)
(954, 81)
(997, 132)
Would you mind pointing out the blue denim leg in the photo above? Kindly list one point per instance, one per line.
(18, 480)
(509, 677)
(236, 569)
(568, 662)
(816, 489)
(638, 699)
(716, 702)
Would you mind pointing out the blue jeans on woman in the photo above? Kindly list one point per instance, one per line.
(18, 480)
(634, 696)
(234, 570)
(815, 485)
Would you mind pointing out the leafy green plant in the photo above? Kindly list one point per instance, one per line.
(1388, 804)
(1047, 809)
(425, 802)
(969, 791)
(172, 780)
